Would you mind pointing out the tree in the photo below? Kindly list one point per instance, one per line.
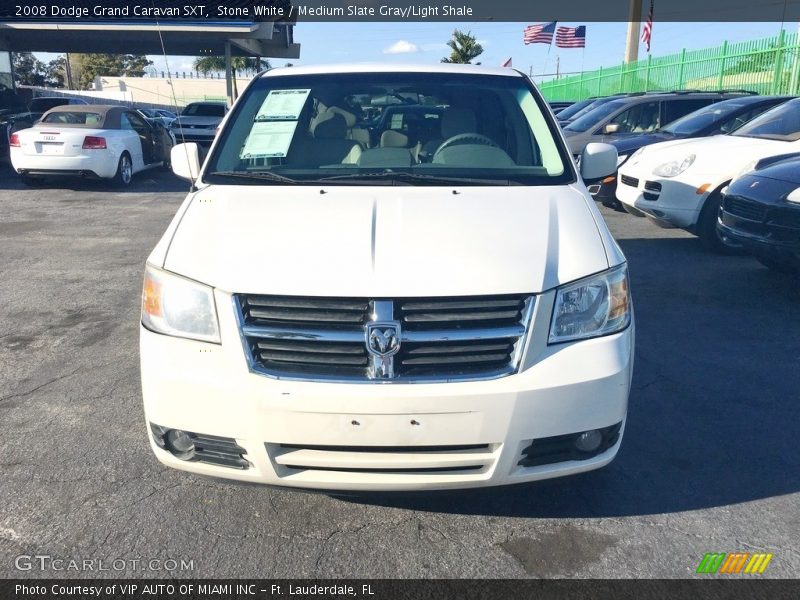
(464, 48)
(86, 67)
(55, 72)
(210, 64)
(28, 70)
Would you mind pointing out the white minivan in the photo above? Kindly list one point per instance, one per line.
(387, 278)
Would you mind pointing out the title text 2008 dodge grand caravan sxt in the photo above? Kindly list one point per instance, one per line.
(387, 278)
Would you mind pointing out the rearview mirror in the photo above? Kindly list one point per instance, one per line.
(185, 159)
(598, 161)
(611, 128)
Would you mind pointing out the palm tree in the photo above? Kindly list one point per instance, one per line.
(465, 48)
(208, 64)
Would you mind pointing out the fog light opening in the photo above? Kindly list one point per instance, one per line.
(180, 444)
(589, 441)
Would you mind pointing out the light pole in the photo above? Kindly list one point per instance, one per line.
(634, 23)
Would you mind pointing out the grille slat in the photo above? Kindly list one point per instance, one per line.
(745, 209)
(461, 316)
(628, 180)
(440, 338)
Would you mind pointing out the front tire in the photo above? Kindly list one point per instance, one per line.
(124, 173)
(707, 230)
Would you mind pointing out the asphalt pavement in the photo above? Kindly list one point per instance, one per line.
(709, 463)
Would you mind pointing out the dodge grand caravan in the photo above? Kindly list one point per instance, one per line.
(427, 301)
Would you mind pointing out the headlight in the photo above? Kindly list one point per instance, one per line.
(621, 159)
(591, 307)
(794, 195)
(674, 168)
(746, 169)
(177, 306)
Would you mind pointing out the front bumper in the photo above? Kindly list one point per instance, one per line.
(312, 434)
(670, 202)
(774, 240)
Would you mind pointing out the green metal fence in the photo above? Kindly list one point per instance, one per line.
(767, 66)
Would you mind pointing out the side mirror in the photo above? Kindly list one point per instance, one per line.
(185, 159)
(598, 161)
(611, 128)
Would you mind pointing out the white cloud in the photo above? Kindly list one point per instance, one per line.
(401, 47)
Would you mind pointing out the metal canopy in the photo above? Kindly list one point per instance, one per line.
(181, 38)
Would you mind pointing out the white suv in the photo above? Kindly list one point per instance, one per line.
(352, 302)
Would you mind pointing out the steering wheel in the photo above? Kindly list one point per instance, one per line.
(466, 138)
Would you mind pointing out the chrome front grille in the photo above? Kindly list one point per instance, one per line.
(425, 339)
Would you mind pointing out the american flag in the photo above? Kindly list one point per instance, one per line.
(571, 37)
(647, 31)
(539, 34)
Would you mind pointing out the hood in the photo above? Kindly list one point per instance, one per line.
(386, 241)
(721, 156)
(630, 143)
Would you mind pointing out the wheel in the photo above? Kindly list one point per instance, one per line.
(466, 138)
(614, 204)
(707, 230)
(124, 171)
(779, 266)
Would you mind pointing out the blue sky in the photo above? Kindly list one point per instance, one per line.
(424, 42)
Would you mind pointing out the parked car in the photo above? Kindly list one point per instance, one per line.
(640, 113)
(198, 122)
(96, 141)
(42, 104)
(159, 115)
(558, 106)
(679, 183)
(761, 211)
(579, 109)
(721, 117)
(11, 109)
(325, 314)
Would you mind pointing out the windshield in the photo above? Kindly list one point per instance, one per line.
(204, 110)
(390, 128)
(780, 123)
(573, 109)
(595, 115)
(704, 117)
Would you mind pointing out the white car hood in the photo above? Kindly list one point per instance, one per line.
(386, 241)
(719, 155)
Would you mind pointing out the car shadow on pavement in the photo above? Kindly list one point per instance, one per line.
(714, 417)
(146, 181)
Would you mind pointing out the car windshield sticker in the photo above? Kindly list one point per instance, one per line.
(283, 105)
(269, 139)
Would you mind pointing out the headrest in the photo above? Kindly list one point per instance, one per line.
(394, 139)
(349, 118)
(330, 126)
(458, 120)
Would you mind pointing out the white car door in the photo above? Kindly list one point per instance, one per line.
(132, 142)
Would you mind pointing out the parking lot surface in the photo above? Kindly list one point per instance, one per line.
(709, 463)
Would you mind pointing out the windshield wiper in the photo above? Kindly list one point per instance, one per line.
(255, 176)
(405, 177)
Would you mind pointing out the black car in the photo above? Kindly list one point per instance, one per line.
(558, 106)
(11, 107)
(721, 117)
(761, 211)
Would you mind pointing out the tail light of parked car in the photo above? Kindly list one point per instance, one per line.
(91, 142)
(13, 140)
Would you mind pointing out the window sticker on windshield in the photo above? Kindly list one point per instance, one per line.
(269, 139)
(283, 105)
